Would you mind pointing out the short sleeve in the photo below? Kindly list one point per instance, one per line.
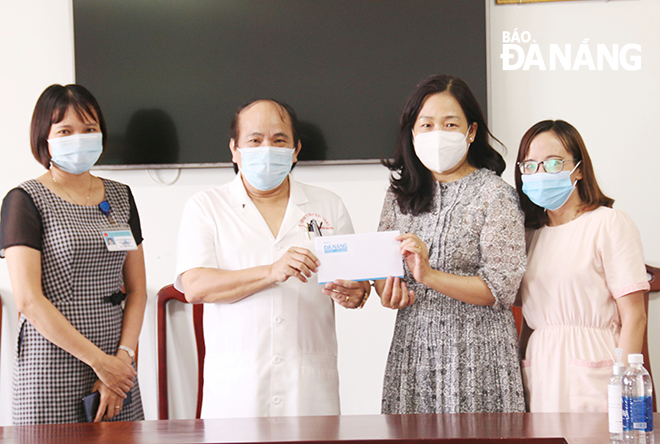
(502, 245)
(622, 255)
(387, 214)
(134, 219)
(196, 242)
(20, 222)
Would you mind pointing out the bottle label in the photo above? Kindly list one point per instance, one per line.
(638, 413)
(615, 408)
(648, 412)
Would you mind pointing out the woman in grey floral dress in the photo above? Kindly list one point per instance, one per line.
(455, 348)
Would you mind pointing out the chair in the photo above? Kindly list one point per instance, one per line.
(165, 295)
(654, 280)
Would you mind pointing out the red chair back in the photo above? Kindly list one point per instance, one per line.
(165, 295)
(654, 281)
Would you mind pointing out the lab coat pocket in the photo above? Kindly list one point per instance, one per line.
(320, 361)
(319, 385)
(587, 385)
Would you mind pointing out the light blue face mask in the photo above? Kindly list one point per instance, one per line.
(549, 191)
(266, 167)
(77, 153)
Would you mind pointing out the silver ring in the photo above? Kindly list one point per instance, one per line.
(117, 407)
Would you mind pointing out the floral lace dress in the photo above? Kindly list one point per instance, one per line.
(448, 356)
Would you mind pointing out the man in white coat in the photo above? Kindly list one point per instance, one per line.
(244, 249)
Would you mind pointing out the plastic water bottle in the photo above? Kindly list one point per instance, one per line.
(637, 402)
(615, 397)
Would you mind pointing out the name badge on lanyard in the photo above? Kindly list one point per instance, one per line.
(117, 237)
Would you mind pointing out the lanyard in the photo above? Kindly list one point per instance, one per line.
(116, 238)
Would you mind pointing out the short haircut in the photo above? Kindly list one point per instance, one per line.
(590, 193)
(51, 108)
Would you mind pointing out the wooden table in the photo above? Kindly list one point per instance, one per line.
(543, 428)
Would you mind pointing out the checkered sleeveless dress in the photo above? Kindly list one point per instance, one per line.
(77, 273)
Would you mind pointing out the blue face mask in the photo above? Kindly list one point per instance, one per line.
(266, 167)
(549, 191)
(77, 153)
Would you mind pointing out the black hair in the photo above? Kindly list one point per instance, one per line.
(413, 182)
(590, 193)
(51, 108)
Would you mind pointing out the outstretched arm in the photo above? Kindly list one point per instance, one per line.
(215, 285)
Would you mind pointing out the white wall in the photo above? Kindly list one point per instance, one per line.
(614, 110)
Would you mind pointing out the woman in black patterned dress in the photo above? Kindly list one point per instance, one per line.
(81, 300)
(455, 347)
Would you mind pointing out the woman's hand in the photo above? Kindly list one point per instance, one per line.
(394, 293)
(110, 404)
(348, 294)
(116, 374)
(416, 255)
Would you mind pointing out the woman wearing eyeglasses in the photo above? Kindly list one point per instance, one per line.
(582, 293)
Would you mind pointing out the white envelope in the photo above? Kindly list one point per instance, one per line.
(359, 257)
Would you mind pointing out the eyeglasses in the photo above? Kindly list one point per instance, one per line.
(552, 166)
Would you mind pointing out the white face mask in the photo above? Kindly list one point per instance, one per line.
(440, 151)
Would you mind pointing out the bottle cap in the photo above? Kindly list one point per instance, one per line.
(636, 358)
(619, 368)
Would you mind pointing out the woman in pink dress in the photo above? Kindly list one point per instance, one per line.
(582, 294)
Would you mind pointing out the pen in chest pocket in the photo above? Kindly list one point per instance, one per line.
(313, 229)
